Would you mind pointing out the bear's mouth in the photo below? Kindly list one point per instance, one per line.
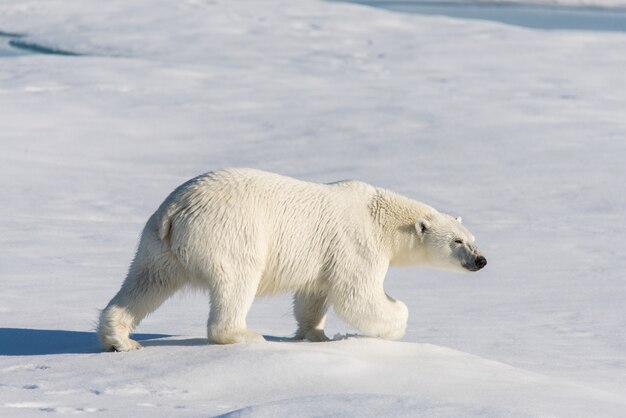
(478, 263)
(470, 267)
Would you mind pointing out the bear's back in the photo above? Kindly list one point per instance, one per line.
(274, 194)
(265, 203)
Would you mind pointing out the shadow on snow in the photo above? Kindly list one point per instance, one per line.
(32, 342)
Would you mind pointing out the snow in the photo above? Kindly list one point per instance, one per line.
(354, 377)
(519, 131)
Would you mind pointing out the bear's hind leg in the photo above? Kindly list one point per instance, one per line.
(231, 299)
(310, 311)
(140, 295)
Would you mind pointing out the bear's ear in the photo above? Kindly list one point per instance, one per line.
(459, 219)
(421, 226)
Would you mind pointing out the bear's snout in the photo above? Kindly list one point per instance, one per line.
(480, 262)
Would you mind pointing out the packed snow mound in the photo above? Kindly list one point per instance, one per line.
(371, 377)
(370, 405)
(354, 376)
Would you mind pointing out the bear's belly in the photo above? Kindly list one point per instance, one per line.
(291, 276)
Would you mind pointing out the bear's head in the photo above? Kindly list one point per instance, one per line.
(445, 243)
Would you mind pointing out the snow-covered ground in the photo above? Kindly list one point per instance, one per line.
(522, 132)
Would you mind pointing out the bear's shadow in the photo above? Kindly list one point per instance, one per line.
(34, 342)
(156, 342)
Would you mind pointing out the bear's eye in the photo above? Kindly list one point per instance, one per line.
(458, 241)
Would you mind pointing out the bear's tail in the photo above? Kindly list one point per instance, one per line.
(163, 218)
(182, 197)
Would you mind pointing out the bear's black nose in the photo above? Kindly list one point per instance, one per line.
(480, 262)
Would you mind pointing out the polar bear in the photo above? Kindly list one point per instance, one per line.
(241, 233)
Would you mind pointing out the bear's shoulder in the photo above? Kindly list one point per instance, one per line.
(395, 209)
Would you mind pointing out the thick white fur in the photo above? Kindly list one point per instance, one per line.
(240, 233)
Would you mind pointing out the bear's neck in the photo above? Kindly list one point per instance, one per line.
(396, 216)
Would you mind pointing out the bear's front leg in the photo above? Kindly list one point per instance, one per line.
(231, 299)
(310, 311)
(371, 310)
